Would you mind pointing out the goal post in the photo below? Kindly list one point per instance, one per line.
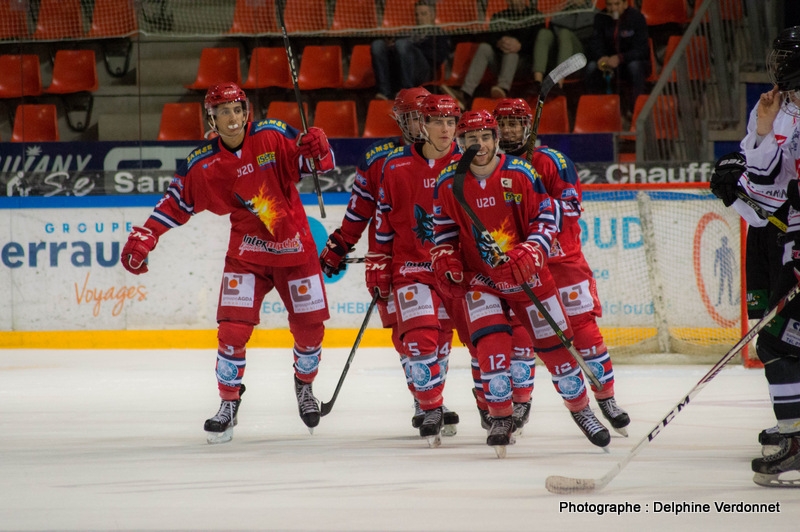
(668, 260)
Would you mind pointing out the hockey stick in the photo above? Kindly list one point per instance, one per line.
(500, 257)
(354, 260)
(325, 408)
(569, 66)
(567, 485)
(293, 69)
(761, 211)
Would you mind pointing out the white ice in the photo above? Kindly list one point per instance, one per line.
(113, 440)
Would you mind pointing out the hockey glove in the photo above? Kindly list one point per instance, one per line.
(793, 194)
(314, 144)
(379, 274)
(335, 250)
(140, 243)
(524, 261)
(725, 178)
(449, 271)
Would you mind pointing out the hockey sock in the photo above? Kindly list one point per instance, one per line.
(306, 362)
(494, 354)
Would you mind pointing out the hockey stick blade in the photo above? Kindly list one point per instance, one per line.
(761, 211)
(568, 485)
(325, 408)
(500, 257)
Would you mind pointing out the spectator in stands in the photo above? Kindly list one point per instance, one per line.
(507, 50)
(619, 47)
(410, 61)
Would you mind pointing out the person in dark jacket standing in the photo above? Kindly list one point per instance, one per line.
(619, 47)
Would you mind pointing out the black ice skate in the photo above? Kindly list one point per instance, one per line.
(770, 440)
(618, 418)
(450, 420)
(219, 429)
(431, 427)
(768, 470)
(307, 404)
(486, 419)
(501, 434)
(592, 428)
(419, 415)
(522, 412)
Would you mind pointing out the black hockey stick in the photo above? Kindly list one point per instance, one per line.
(325, 408)
(354, 260)
(298, 97)
(761, 211)
(565, 485)
(500, 257)
(569, 66)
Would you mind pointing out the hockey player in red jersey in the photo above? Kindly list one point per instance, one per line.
(361, 213)
(572, 274)
(513, 204)
(400, 265)
(249, 173)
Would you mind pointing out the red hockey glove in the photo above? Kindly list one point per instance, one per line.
(335, 250)
(449, 271)
(379, 274)
(524, 261)
(140, 243)
(314, 144)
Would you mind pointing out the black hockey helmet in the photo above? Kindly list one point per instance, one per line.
(783, 62)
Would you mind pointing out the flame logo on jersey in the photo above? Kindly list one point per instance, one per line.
(502, 239)
(424, 227)
(264, 207)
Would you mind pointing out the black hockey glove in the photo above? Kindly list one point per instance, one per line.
(725, 179)
(793, 194)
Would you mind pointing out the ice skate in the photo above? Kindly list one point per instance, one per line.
(486, 419)
(419, 415)
(432, 426)
(618, 418)
(219, 429)
(522, 412)
(501, 434)
(307, 404)
(592, 428)
(450, 420)
(770, 440)
(769, 470)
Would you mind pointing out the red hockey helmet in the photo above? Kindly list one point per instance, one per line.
(440, 105)
(406, 108)
(513, 111)
(224, 93)
(476, 121)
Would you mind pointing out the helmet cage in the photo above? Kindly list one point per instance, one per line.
(508, 145)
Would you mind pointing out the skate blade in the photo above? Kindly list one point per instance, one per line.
(775, 481)
(220, 437)
(500, 450)
(519, 431)
(434, 441)
(449, 430)
(622, 430)
(311, 430)
(606, 449)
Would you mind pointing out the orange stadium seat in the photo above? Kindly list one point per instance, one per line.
(13, 20)
(217, 65)
(35, 123)
(269, 67)
(305, 15)
(337, 118)
(664, 113)
(113, 18)
(73, 71)
(456, 11)
(598, 113)
(494, 6)
(397, 13)
(555, 118)
(697, 56)
(462, 57)
(380, 121)
(181, 121)
(484, 104)
(254, 17)
(321, 68)
(600, 4)
(354, 14)
(20, 76)
(289, 112)
(360, 74)
(551, 6)
(657, 12)
(59, 19)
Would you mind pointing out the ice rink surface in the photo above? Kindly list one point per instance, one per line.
(113, 440)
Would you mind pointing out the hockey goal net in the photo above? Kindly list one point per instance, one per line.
(668, 260)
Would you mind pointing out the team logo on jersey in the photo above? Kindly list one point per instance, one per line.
(424, 228)
(266, 158)
(570, 387)
(511, 197)
(555, 249)
(264, 207)
(502, 237)
(238, 289)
